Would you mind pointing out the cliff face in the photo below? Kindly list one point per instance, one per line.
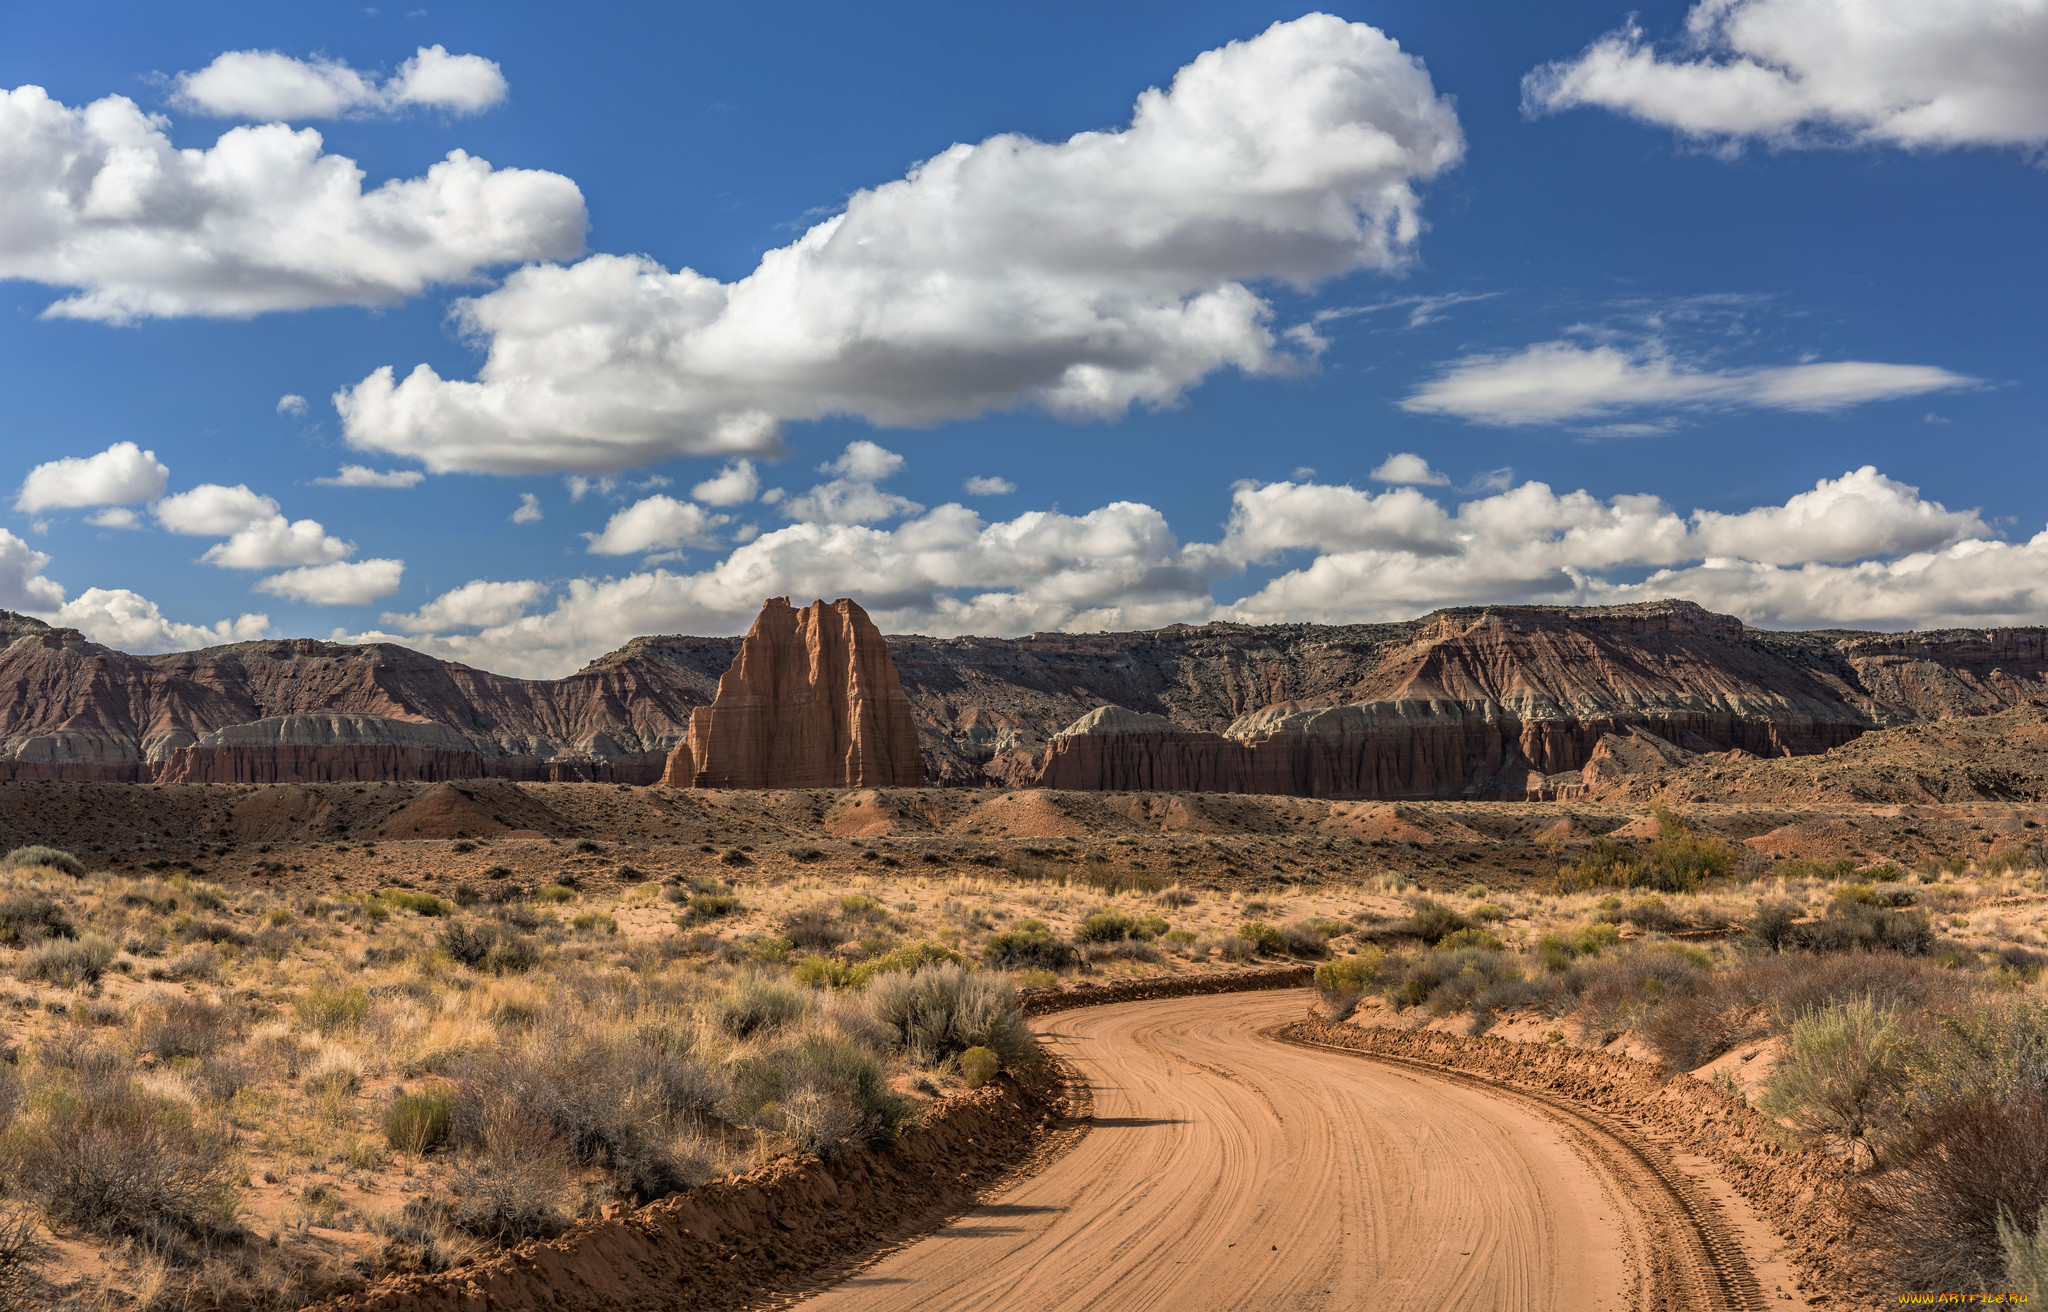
(1473, 701)
(811, 701)
(1488, 704)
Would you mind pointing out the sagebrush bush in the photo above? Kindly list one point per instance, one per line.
(331, 1009)
(1432, 922)
(54, 858)
(1679, 860)
(752, 1001)
(1108, 925)
(943, 1010)
(177, 1026)
(1303, 939)
(1029, 945)
(499, 949)
(68, 963)
(1843, 1077)
(818, 928)
(1972, 1164)
(1344, 982)
(29, 918)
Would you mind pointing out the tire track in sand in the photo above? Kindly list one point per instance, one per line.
(1226, 1170)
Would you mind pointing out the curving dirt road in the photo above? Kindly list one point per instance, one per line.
(1226, 1170)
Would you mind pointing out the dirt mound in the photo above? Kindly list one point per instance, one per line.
(475, 808)
(1039, 813)
(283, 811)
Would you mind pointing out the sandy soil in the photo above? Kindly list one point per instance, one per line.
(1226, 1170)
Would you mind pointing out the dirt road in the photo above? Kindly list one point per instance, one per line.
(1225, 1170)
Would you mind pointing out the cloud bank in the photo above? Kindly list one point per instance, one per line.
(1795, 73)
(1088, 276)
(98, 199)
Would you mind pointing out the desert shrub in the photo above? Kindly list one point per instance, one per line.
(752, 1001)
(424, 904)
(2026, 1255)
(21, 1243)
(816, 972)
(1344, 981)
(1432, 921)
(859, 906)
(1304, 940)
(1652, 914)
(331, 1009)
(31, 918)
(942, 1010)
(1445, 980)
(978, 1066)
(1235, 950)
(498, 949)
(595, 922)
(909, 957)
(1857, 927)
(98, 1153)
(816, 928)
(823, 1082)
(1843, 1077)
(512, 1188)
(1870, 895)
(1262, 938)
(1471, 937)
(1105, 926)
(1772, 925)
(734, 857)
(1677, 861)
(210, 930)
(1973, 1164)
(1175, 897)
(555, 894)
(185, 1027)
(53, 858)
(68, 963)
(418, 1121)
(1029, 945)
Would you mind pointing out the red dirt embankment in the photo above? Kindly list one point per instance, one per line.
(1795, 1192)
(795, 1222)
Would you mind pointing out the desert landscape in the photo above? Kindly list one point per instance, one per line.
(1699, 1026)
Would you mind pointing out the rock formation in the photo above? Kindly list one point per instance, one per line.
(1506, 701)
(811, 701)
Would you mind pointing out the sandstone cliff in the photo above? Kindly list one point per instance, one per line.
(811, 701)
(1499, 702)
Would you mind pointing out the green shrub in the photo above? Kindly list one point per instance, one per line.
(424, 904)
(708, 906)
(555, 894)
(498, 949)
(1262, 938)
(1344, 981)
(595, 922)
(1677, 861)
(52, 858)
(859, 906)
(419, 1121)
(1029, 945)
(1106, 926)
(978, 1066)
(1432, 921)
(939, 1011)
(818, 972)
(68, 963)
(909, 957)
(1843, 1077)
(1470, 937)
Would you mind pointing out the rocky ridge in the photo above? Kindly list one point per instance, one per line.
(1474, 701)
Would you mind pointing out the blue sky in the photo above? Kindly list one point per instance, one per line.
(1765, 291)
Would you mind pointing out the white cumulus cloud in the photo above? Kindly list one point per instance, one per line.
(1910, 73)
(732, 485)
(343, 583)
(120, 475)
(257, 532)
(529, 509)
(656, 523)
(291, 403)
(1559, 382)
(853, 497)
(989, 485)
(98, 199)
(364, 476)
(1085, 277)
(1407, 467)
(213, 510)
(129, 621)
(267, 85)
(473, 605)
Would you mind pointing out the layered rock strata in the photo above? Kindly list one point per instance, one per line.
(1489, 705)
(811, 701)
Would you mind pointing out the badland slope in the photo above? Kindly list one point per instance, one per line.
(1475, 701)
(811, 701)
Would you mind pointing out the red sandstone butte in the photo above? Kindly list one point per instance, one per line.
(811, 701)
